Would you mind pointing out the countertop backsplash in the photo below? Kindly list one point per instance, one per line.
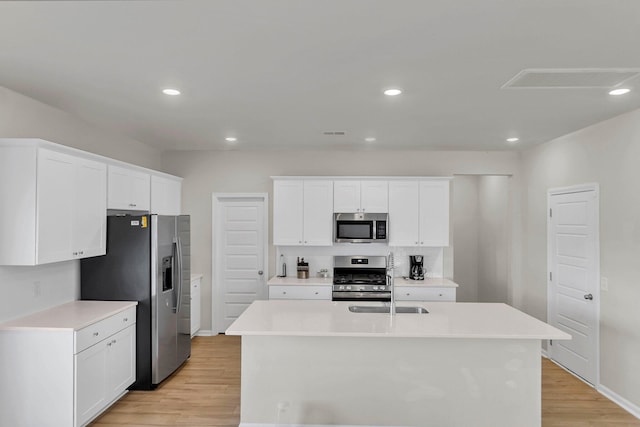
(320, 257)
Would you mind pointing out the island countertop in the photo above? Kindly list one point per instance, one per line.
(444, 320)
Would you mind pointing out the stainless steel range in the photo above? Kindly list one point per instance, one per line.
(360, 278)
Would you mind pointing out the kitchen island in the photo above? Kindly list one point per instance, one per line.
(462, 364)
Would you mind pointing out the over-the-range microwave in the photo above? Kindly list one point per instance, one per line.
(360, 227)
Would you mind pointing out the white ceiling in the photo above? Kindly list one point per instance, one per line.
(276, 74)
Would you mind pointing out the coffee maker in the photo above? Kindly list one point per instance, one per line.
(416, 271)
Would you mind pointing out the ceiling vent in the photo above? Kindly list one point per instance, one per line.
(337, 133)
(555, 78)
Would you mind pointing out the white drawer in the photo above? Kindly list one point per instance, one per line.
(300, 292)
(92, 334)
(418, 293)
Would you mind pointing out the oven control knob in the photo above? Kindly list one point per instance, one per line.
(375, 288)
(341, 288)
(348, 288)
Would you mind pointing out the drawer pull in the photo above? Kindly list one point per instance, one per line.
(109, 344)
(408, 294)
(284, 292)
(316, 293)
(126, 319)
(95, 334)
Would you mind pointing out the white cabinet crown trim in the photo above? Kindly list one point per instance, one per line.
(365, 178)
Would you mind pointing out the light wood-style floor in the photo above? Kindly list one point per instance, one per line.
(206, 392)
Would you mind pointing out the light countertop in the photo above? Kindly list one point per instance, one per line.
(72, 316)
(434, 282)
(399, 281)
(444, 320)
(294, 281)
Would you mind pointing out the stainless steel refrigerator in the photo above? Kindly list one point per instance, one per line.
(148, 260)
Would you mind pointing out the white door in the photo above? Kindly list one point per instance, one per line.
(239, 241)
(573, 301)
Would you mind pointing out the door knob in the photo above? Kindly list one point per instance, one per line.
(260, 272)
(588, 296)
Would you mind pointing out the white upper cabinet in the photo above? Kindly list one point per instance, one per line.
(360, 196)
(58, 205)
(318, 215)
(302, 212)
(434, 213)
(419, 213)
(404, 216)
(128, 189)
(166, 195)
(288, 212)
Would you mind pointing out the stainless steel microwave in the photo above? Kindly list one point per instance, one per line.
(360, 227)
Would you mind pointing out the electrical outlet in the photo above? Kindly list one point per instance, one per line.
(36, 288)
(604, 284)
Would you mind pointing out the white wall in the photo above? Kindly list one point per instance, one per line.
(481, 217)
(464, 219)
(607, 153)
(493, 239)
(205, 172)
(25, 290)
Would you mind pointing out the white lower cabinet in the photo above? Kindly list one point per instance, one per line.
(103, 372)
(57, 375)
(421, 293)
(300, 292)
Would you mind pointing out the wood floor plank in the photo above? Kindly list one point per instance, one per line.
(205, 392)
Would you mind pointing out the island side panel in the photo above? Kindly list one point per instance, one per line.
(387, 381)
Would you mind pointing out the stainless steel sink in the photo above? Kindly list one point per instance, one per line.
(378, 309)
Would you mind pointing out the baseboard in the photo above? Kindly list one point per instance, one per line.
(619, 400)
(544, 353)
(302, 425)
(205, 333)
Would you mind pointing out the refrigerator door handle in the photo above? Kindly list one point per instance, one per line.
(178, 244)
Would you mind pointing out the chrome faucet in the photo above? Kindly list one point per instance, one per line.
(390, 268)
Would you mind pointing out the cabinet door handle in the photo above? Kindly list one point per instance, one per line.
(284, 292)
(81, 252)
(109, 344)
(408, 294)
(126, 319)
(75, 254)
(95, 334)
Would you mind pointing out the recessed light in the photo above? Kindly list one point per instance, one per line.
(370, 139)
(231, 139)
(392, 92)
(513, 139)
(171, 92)
(621, 91)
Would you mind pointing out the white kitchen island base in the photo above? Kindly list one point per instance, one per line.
(390, 382)
(314, 363)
